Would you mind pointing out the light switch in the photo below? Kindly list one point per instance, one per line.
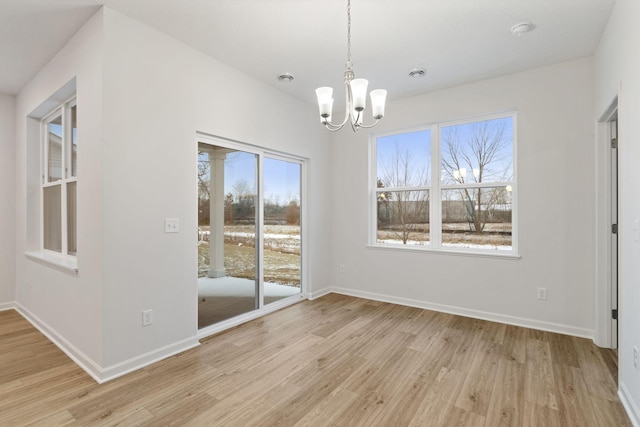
(636, 230)
(171, 225)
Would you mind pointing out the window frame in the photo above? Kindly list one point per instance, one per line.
(436, 187)
(62, 110)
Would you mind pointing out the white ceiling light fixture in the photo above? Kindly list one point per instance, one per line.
(285, 78)
(356, 95)
(522, 28)
(416, 73)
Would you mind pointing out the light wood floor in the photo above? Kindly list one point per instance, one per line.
(334, 361)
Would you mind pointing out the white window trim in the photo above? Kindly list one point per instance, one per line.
(435, 196)
(62, 260)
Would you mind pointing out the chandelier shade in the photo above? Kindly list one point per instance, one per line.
(356, 95)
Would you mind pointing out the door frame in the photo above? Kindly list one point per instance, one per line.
(263, 309)
(606, 290)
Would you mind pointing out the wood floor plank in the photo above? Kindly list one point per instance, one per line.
(328, 411)
(540, 387)
(506, 405)
(440, 399)
(336, 360)
(476, 391)
(595, 371)
(573, 397)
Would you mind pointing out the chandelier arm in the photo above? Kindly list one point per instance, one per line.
(369, 126)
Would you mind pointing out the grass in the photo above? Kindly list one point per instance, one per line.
(281, 255)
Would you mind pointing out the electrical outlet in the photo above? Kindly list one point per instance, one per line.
(542, 294)
(147, 317)
(636, 362)
(341, 268)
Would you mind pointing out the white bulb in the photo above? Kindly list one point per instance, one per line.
(359, 93)
(325, 101)
(378, 98)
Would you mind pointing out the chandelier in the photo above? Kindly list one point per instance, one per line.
(356, 95)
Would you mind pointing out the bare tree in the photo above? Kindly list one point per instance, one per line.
(402, 210)
(245, 198)
(204, 195)
(477, 154)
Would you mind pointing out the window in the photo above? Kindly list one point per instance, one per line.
(59, 179)
(448, 186)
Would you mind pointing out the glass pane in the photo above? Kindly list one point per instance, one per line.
(478, 152)
(227, 204)
(74, 142)
(71, 219)
(52, 218)
(282, 266)
(403, 217)
(404, 160)
(54, 149)
(477, 218)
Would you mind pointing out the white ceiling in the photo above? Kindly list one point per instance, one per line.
(457, 41)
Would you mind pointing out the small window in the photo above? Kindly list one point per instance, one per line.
(59, 180)
(449, 186)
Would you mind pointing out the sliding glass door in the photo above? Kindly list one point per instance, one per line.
(282, 236)
(249, 231)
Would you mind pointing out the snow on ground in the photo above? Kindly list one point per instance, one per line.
(447, 245)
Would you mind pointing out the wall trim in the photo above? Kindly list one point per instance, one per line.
(7, 306)
(119, 369)
(85, 362)
(629, 405)
(476, 314)
(319, 293)
(98, 373)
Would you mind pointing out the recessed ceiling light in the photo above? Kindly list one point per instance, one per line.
(416, 73)
(285, 78)
(521, 28)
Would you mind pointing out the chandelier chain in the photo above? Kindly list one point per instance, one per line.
(349, 33)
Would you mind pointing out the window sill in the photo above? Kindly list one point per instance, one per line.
(444, 251)
(65, 264)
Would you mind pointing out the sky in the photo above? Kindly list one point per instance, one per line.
(418, 145)
(281, 178)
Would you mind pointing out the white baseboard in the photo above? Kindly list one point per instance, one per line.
(114, 371)
(629, 405)
(82, 360)
(476, 314)
(98, 373)
(8, 306)
(319, 293)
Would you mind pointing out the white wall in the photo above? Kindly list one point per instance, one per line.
(555, 208)
(142, 97)
(7, 206)
(65, 306)
(158, 94)
(617, 73)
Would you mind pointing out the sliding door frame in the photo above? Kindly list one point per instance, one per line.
(261, 152)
